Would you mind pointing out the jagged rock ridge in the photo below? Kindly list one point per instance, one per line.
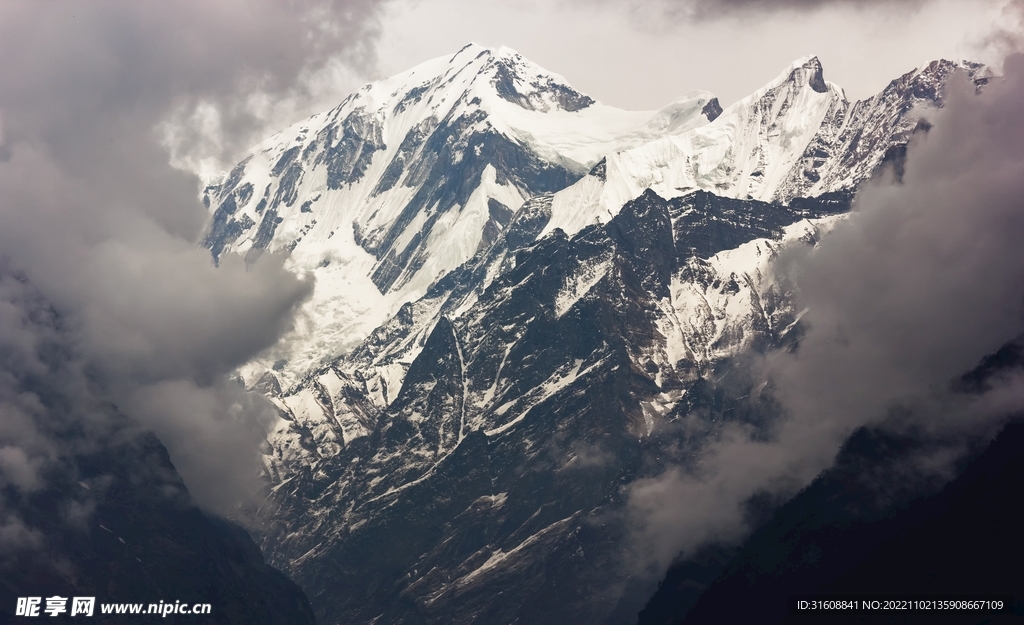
(519, 419)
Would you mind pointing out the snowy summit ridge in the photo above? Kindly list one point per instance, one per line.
(411, 176)
(798, 136)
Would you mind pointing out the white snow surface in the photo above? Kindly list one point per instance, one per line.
(746, 152)
(703, 324)
(581, 281)
(796, 136)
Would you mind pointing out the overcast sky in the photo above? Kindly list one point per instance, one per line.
(633, 54)
(636, 55)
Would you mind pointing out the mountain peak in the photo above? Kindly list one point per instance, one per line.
(804, 71)
(466, 54)
(522, 82)
(803, 78)
(411, 176)
(476, 73)
(474, 49)
(505, 51)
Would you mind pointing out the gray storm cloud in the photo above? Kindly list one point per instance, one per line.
(918, 285)
(99, 232)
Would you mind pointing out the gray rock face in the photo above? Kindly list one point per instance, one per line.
(856, 138)
(496, 470)
(456, 155)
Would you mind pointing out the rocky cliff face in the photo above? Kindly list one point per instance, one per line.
(496, 469)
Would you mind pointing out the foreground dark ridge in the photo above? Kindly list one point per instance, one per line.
(103, 513)
(144, 542)
(872, 526)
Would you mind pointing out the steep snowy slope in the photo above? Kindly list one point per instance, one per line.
(408, 178)
(797, 137)
(852, 143)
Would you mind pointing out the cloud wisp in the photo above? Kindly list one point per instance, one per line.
(705, 10)
(922, 281)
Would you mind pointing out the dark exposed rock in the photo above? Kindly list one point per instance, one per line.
(244, 193)
(816, 77)
(407, 152)
(447, 179)
(706, 224)
(223, 228)
(712, 109)
(348, 148)
(413, 97)
(568, 99)
(233, 178)
(287, 186)
(505, 79)
(286, 160)
(264, 235)
(268, 385)
(499, 215)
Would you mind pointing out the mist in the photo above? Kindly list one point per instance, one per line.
(922, 281)
(106, 298)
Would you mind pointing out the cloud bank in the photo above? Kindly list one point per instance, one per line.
(105, 296)
(922, 281)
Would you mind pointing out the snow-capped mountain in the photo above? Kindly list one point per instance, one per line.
(521, 295)
(798, 136)
(408, 178)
